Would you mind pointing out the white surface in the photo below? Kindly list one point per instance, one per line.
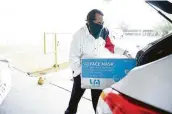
(26, 97)
(133, 43)
(62, 79)
(5, 80)
(155, 86)
(104, 83)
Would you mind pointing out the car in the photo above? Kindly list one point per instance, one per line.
(140, 52)
(5, 79)
(147, 88)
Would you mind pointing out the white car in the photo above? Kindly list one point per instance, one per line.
(147, 89)
(5, 79)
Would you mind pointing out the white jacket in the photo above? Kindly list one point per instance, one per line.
(84, 45)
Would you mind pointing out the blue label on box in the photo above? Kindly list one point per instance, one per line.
(107, 68)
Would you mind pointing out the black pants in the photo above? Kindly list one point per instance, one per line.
(76, 95)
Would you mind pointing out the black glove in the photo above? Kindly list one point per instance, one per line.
(104, 33)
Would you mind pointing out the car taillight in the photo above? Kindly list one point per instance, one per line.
(121, 105)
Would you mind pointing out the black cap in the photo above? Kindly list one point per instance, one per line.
(92, 13)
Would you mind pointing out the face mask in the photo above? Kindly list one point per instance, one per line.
(95, 29)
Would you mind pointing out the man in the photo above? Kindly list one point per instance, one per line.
(88, 42)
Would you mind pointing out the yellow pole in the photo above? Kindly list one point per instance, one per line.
(56, 52)
(44, 44)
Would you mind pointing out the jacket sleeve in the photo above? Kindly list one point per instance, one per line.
(109, 45)
(108, 40)
(75, 54)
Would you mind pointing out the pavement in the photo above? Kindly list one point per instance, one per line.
(27, 97)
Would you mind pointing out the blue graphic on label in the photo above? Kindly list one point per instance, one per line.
(95, 82)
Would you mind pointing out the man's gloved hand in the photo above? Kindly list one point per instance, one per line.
(104, 34)
(126, 53)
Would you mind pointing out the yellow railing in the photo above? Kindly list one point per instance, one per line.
(56, 66)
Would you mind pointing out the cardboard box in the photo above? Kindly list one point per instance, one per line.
(102, 73)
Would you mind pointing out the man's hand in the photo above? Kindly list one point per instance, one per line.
(126, 53)
(105, 33)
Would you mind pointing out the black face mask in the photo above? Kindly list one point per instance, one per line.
(95, 29)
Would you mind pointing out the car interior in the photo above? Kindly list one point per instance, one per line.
(161, 47)
(157, 51)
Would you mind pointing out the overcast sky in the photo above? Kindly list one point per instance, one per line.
(25, 20)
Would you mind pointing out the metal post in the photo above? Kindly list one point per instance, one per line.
(44, 43)
(55, 44)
